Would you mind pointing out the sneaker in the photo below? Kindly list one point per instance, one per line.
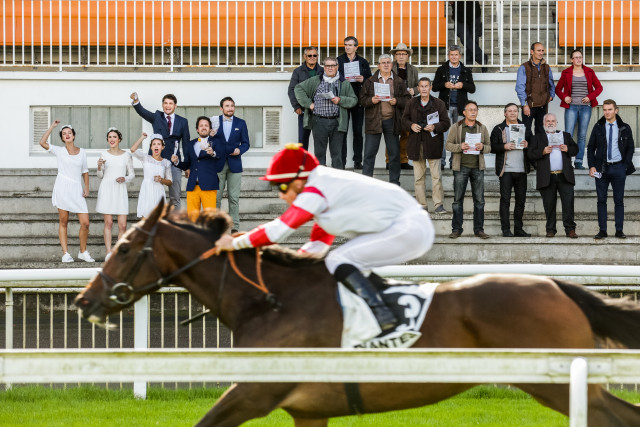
(440, 210)
(579, 166)
(85, 256)
(106, 258)
(67, 257)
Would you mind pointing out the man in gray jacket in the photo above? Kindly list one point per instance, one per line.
(310, 68)
(326, 99)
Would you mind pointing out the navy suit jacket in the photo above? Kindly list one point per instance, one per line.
(238, 138)
(179, 129)
(204, 168)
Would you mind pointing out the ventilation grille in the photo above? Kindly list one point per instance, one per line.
(39, 124)
(271, 121)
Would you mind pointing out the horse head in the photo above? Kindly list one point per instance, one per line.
(142, 262)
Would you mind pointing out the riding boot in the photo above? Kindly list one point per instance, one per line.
(357, 283)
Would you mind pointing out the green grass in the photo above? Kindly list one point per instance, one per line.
(40, 406)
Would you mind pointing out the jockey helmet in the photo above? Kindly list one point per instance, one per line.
(289, 164)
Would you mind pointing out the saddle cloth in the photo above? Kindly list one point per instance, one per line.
(408, 302)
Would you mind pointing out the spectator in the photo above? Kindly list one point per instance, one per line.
(115, 169)
(468, 164)
(309, 69)
(409, 74)
(173, 129)
(535, 88)
(468, 17)
(577, 89)
(68, 193)
(512, 167)
(610, 157)
(383, 116)
(356, 113)
(552, 152)
(157, 172)
(453, 81)
(327, 99)
(426, 142)
(202, 160)
(235, 142)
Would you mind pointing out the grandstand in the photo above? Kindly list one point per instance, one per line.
(78, 61)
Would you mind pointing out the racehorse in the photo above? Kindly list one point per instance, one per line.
(300, 310)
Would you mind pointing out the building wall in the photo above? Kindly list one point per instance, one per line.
(22, 90)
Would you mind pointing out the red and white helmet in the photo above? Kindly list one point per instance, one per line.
(291, 163)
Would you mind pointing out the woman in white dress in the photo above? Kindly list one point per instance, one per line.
(68, 192)
(157, 174)
(115, 168)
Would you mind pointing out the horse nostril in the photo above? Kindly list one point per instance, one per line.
(81, 302)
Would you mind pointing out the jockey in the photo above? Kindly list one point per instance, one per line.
(386, 224)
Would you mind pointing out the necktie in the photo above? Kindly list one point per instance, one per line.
(610, 146)
(169, 124)
(227, 119)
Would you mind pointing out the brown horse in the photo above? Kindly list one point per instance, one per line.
(485, 311)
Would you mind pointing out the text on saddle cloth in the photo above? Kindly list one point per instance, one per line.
(408, 302)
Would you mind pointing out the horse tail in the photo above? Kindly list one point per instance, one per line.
(614, 318)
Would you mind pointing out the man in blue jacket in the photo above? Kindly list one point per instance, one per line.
(233, 134)
(173, 129)
(610, 156)
(202, 157)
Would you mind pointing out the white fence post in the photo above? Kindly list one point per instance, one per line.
(578, 393)
(8, 321)
(140, 339)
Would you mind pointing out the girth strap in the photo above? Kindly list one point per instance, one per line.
(354, 398)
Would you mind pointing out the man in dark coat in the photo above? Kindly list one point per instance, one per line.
(610, 156)
(552, 152)
(310, 68)
(512, 167)
(426, 142)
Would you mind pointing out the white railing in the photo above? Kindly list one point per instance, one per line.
(576, 367)
(211, 33)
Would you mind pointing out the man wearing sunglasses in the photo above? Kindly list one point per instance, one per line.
(386, 225)
(309, 69)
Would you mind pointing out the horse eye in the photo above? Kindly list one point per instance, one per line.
(123, 249)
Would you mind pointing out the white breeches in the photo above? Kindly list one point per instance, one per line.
(407, 238)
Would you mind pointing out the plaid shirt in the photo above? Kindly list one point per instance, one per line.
(324, 107)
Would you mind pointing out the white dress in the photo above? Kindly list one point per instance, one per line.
(67, 190)
(112, 195)
(151, 192)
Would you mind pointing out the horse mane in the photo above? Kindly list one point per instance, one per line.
(212, 223)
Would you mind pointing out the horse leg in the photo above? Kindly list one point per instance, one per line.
(604, 409)
(242, 402)
(306, 422)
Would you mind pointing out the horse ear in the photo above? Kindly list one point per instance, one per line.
(155, 213)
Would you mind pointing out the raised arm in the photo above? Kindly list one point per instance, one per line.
(136, 144)
(142, 112)
(43, 141)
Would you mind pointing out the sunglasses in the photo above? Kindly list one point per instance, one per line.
(312, 56)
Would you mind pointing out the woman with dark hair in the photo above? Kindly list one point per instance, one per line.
(157, 174)
(115, 168)
(68, 192)
(577, 89)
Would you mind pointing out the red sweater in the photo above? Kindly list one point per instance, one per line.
(563, 88)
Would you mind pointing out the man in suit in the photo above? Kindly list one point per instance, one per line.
(202, 158)
(233, 134)
(552, 152)
(173, 129)
(610, 157)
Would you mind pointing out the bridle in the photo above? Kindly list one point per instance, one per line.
(123, 294)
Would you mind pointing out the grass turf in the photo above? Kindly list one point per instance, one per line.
(81, 406)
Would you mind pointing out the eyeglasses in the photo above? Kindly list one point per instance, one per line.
(330, 65)
(401, 53)
(312, 56)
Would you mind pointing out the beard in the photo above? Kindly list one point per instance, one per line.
(550, 129)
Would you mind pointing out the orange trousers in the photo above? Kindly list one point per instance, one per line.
(199, 197)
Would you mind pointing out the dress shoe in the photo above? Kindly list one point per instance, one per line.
(620, 235)
(482, 235)
(579, 166)
(454, 234)
(522, 233)
(507, 233)
(357, 165)
(551, 233)
(440, 210)
(386, 166)
(601, 235)
(406, 166)
(572, 234)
